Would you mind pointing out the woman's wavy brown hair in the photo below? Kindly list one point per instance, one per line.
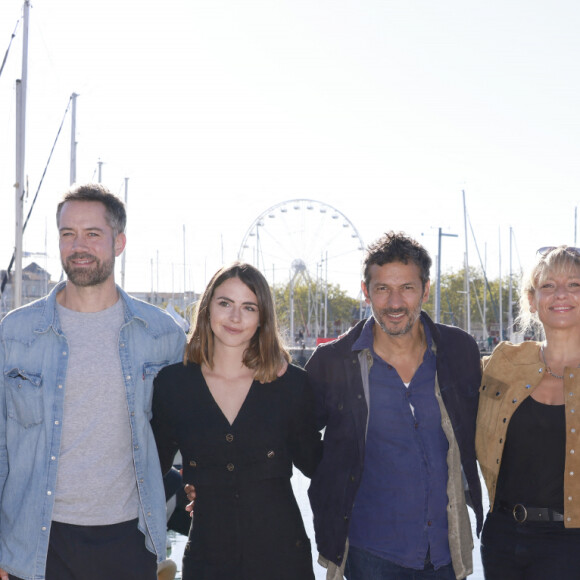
(266, 351)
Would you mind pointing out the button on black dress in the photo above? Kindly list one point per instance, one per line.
(247, 524)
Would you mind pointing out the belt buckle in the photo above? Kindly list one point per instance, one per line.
(520, 513)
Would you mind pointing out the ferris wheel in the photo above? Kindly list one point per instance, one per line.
(307, 236)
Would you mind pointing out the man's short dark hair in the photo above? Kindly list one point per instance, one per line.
(115, 208)
(397, 247)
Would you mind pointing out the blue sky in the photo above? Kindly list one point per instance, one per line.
(219, 110)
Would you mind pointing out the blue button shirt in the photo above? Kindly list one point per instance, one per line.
(400, 510)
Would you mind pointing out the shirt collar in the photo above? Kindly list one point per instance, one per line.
(365, 339)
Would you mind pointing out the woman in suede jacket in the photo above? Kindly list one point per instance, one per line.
(528, 426)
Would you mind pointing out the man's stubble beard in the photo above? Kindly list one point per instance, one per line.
(85, 277)
(412, 317)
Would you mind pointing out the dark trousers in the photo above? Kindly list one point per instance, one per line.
(114, 552)
(529, 551)
(363, 565)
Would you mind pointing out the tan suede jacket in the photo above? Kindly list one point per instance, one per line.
(510, 375)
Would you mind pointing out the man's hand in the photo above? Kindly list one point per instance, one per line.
(190, 494)
(3, 575)
(282, 368)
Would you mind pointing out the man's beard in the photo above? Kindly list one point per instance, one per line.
(98, 273)
(411, 319)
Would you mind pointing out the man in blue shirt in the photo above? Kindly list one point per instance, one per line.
(397, 396)
(81, 490)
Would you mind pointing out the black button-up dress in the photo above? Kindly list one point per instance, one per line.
(247, 524)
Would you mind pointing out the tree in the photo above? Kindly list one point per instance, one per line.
(309, 303)
(453, 301)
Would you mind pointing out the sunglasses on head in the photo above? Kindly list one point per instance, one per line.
(547, 249)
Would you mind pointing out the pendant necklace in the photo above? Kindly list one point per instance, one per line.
(548, 369)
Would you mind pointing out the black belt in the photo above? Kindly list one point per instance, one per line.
(522, 513)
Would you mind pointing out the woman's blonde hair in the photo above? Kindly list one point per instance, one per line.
(553, 260)
(266, 352)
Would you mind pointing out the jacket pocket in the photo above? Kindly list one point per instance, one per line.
(491, 422)
(24, 397)
(492, 388)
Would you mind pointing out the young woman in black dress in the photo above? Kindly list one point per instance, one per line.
(241, 416)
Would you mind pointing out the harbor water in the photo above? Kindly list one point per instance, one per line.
(300, 485)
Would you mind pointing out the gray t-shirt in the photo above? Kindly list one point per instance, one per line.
(96, 482)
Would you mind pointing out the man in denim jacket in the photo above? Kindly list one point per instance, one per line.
(81, 491)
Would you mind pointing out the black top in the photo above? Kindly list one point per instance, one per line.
(532, 466)
(247, 524)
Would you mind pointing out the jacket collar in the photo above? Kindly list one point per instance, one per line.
(525, 353)
(434, 330)
(132, 310)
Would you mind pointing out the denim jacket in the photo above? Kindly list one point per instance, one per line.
(33, 364)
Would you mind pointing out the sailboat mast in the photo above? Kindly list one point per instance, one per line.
(500, 290)
(73, 139)
(21, 86)
(467, 290)
(510, 296)
(485, 333)
(184, 273)
(18, 201)
(123, 257)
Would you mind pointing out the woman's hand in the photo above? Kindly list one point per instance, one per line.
(190, 494)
